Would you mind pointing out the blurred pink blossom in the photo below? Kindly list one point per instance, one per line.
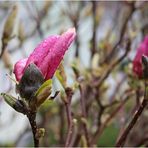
(47, 55)
(137, 62)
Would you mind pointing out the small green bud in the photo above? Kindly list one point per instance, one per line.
(40, 133)
(16, 104)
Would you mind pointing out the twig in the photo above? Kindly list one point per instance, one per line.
(93, 41)
(122, 138)
(61, 112)
(69, 94)
(101, 107)
(83, 107)
(74, 16)
(37, 20)
(123, 30)
(112, 66)
(101, 129)
(117, 88)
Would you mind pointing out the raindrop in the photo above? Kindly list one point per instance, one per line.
(44, 44)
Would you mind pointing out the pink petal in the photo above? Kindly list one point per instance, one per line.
(54, 57)
(19, 68)
(41, 51)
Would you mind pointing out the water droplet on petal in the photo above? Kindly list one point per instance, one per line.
(44, 44)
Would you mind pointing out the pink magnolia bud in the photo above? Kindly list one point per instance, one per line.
(47, 55)
(137, 62)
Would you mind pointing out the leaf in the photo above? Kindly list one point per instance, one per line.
(42, 94)
(43, 86)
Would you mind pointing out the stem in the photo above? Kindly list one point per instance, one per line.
(69, 94)
(122, 139)
(70, 126)
(93, 41)
(31, 117)
(83, 107)
(61, 113)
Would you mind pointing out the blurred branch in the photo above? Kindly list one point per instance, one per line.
(112, 115)
(40, 15)
(112, 66)
(69, 94)
(93, 41)
(121, 140)
(61, 112)
(83, 108)
(118, 86)
(74, 17)
(101, 107)
(122, 33)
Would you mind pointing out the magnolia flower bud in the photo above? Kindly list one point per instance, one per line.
(137, 62)
(32, 72)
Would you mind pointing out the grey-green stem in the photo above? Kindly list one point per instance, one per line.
(32, 119)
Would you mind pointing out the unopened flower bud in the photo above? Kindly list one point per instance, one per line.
(40, 133)
(16, 104)
(137, 62)
(47, 55)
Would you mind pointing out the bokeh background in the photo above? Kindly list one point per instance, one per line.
(103, 31)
